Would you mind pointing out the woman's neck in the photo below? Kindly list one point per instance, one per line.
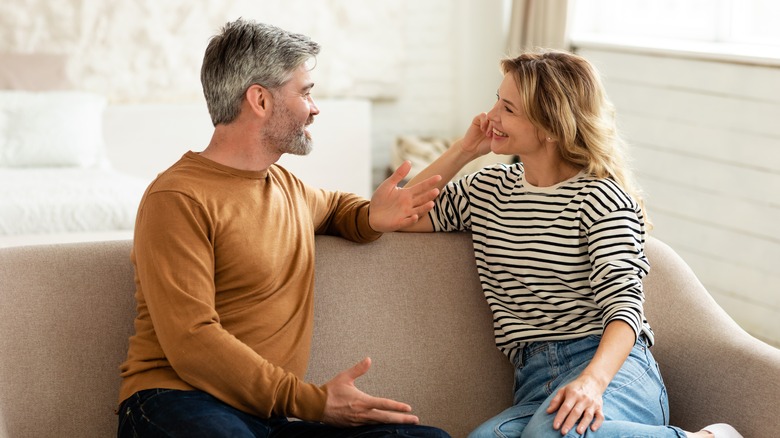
(548, 173)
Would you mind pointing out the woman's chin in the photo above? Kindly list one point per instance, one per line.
(497, 146)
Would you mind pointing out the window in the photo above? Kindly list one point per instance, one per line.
(747, 27)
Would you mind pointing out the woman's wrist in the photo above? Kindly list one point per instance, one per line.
(463, 155)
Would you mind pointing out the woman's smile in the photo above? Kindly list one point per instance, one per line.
(498, 133)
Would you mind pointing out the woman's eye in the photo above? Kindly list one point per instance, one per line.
(506, 108)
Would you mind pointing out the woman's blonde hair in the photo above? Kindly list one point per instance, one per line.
(562, 94)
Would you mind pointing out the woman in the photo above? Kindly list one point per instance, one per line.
(559, 240)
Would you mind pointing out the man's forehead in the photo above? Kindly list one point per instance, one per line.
(300, 80)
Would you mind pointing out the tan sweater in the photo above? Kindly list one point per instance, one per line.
(224, 270)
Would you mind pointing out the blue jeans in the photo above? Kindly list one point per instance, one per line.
(635, 402)
(193, 414)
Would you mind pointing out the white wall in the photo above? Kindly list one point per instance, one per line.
(426, 65)
(706, 143)
(449, 73)
(147, 50)
(144, 139)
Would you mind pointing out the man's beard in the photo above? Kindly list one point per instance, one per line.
(282, 133)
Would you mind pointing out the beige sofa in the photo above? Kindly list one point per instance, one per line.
(411, 302)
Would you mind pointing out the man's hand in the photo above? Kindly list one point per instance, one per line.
(393, 207)
(348, 406)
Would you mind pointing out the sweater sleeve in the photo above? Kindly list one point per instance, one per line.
(615, 247)
(341, 214)
(175, 274)
(451, 209)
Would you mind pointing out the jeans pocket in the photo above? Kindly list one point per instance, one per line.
(635, 368)
(124, 417)
(130, 411)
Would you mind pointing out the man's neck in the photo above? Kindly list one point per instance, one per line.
(233, 146)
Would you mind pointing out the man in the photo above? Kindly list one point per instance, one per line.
(224, 266)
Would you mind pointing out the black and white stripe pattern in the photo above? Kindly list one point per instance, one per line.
(555, 262)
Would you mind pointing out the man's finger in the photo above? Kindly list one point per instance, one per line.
(359, 369)
(425, 197)
(386, 405)
(400, 173)
(425, 185)
(387, 417)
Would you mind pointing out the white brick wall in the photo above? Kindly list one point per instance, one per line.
(429, 64)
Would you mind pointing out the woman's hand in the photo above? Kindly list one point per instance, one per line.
(478, 136)
(580, 401)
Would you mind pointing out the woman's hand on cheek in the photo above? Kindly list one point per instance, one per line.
(478, 136)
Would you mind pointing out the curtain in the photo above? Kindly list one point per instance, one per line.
(538, 23)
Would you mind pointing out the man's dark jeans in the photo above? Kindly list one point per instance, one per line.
(193, 414)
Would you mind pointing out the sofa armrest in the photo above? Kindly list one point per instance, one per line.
(714, 371)
(66, 315)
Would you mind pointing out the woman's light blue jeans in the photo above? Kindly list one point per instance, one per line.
(635, 403)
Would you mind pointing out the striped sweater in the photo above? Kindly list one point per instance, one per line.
(556, 262)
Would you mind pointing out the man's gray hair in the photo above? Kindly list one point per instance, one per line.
(246, 53)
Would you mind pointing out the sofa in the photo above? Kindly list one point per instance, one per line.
(411, 302)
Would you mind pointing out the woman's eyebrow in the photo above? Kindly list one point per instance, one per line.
(505, 100)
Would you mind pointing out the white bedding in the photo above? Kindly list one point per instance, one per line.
(67, 200)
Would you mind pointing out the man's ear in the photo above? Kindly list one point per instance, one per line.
(259, 99)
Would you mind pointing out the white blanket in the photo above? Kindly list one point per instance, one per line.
(66, 200)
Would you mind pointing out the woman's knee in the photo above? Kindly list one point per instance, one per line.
(483, 431)
(501, 426)
(541, 426)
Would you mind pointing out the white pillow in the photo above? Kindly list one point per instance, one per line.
(51, 128)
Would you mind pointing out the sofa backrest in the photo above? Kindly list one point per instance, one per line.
(413, 303)
(410, 302)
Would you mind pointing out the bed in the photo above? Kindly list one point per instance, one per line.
(67, 200)
(55, 178)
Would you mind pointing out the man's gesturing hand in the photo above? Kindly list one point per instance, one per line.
(393, 207)
(349, 406)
